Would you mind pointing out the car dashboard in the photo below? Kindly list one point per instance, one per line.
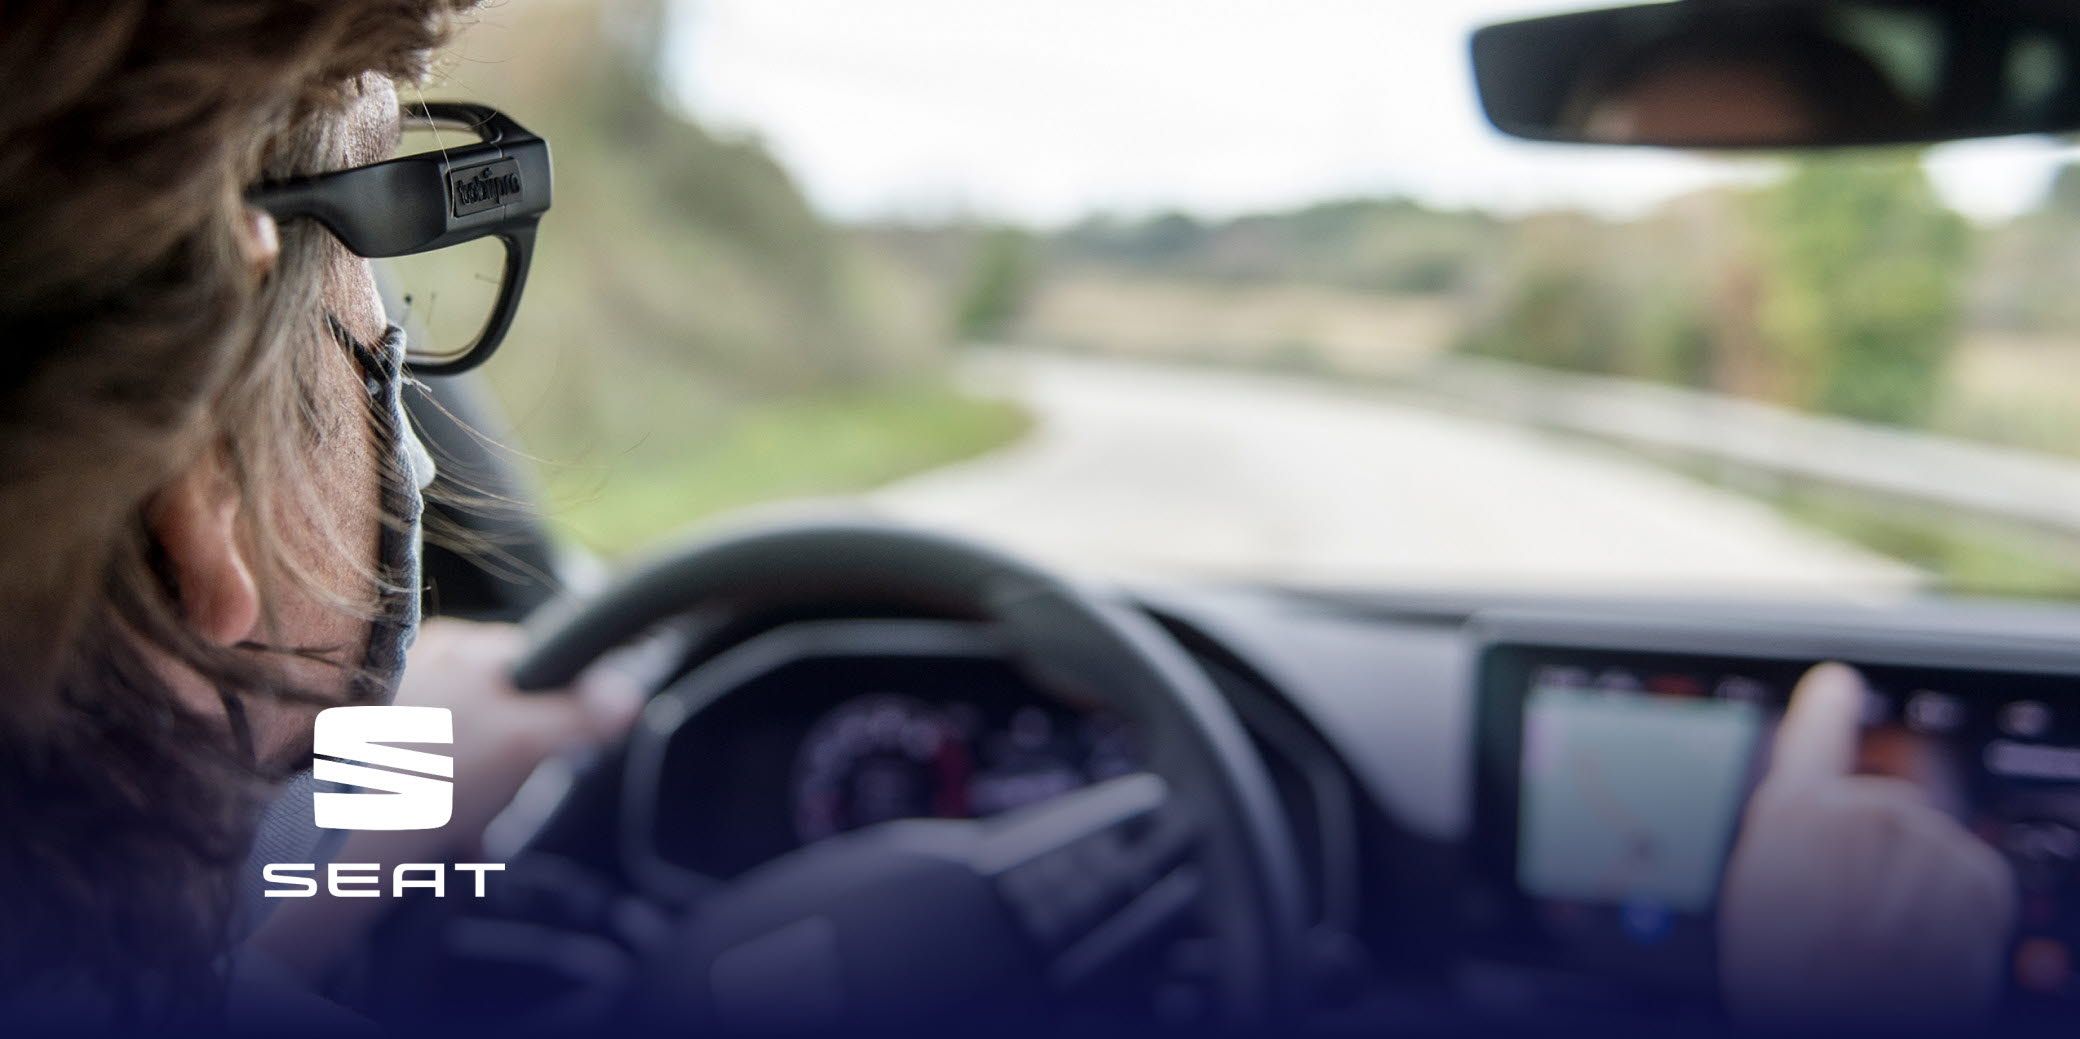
(1427, 749)
(1544, 791)
(817, 729)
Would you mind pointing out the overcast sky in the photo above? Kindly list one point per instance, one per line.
(1047, 110)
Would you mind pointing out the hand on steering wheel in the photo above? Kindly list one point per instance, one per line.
(914, 919)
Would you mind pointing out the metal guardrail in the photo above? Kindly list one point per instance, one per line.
(2003, 483)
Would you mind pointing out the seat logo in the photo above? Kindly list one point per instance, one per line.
(398, 788)
(479, 188)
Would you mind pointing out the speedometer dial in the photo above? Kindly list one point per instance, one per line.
(880, 758)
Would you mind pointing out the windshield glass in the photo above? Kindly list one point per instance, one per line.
(1250, 289)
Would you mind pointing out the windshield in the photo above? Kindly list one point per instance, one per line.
(1249, 289)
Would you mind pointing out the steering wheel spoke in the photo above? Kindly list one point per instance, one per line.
(1096, 875)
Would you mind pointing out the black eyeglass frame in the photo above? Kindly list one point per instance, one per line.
(495, 186)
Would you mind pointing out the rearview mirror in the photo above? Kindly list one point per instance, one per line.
(1784, 74)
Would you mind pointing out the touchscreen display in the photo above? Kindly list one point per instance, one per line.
(1627, 774)
(1630, 800)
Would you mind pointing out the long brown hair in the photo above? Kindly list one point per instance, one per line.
(135, 336)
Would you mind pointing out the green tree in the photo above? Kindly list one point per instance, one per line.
(1553, 303)
(1864, 279)
(998, 283)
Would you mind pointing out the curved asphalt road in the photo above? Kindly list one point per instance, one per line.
(1158, 470)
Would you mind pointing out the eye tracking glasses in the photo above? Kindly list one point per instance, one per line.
(455, 214)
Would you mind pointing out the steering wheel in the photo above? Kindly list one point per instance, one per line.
(1001, 916)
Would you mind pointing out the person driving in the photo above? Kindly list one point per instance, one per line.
(210, 497)
(209, 493)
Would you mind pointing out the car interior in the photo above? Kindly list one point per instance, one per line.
(891, 773)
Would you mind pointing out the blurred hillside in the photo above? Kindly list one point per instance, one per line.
(1844, 286)
(685, 300)
(1392, 246)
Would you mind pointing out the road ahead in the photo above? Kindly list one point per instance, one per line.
(1148, 469)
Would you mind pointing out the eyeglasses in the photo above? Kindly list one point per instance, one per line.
(456, 211)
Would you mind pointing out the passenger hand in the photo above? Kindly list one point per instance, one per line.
(1852, 898)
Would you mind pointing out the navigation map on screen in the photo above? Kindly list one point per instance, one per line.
(1631, 800)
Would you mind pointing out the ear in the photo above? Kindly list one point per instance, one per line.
(259, 241)
(195, 521)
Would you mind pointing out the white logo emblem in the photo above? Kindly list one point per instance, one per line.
(398, 788)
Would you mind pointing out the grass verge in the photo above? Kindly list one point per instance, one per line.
(1965, 555)
(829, 443)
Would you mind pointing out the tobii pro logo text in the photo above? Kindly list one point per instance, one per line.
(478, 188)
